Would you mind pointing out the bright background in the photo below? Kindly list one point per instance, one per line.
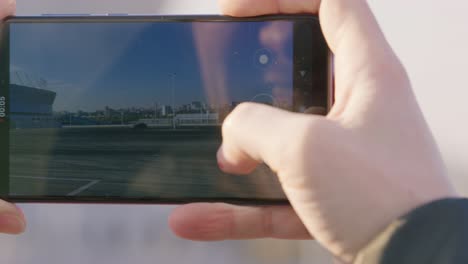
(431, 38)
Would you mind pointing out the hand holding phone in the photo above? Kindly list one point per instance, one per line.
(347, 175)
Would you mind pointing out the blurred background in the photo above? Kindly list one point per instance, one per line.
(431, 39)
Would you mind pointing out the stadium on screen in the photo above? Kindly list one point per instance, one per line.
(31, 102)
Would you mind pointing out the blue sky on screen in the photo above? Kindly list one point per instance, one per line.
(92, 65)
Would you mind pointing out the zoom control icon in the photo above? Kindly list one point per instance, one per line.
(263, 58)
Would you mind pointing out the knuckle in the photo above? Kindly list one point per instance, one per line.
(237, 116)
(245, 108)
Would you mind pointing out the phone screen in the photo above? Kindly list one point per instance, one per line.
(123, 111)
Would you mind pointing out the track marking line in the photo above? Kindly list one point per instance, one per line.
(84, 187)
(73, 193)
(51, 178)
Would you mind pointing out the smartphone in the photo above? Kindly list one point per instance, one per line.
(129, 109)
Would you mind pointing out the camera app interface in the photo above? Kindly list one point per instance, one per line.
(134, 110)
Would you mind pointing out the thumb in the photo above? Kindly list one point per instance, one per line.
(256, 133)
(11, 219)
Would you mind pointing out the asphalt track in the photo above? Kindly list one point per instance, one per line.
(126, 162)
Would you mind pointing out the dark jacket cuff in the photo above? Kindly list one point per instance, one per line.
(434, 233)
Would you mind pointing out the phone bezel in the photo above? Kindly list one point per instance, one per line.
(4, 86)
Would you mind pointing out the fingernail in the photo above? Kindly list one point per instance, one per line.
(11, 224)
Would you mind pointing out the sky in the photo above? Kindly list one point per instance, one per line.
(92, 66)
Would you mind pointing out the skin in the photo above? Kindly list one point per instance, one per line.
(12, 220)
(348, 175)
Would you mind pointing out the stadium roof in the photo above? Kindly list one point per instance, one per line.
(23, 78)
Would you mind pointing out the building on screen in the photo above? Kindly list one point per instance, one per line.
(30, 102)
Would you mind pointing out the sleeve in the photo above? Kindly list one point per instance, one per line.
(432, 234)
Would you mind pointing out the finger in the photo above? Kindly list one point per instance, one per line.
(264, 7)
(362, 54)
(7, 8)
(316, 110)
(11, 219)
(232, 160)
(236, 163)
(255, 133)
(337, 261)
(346, 23)
(214, 222)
